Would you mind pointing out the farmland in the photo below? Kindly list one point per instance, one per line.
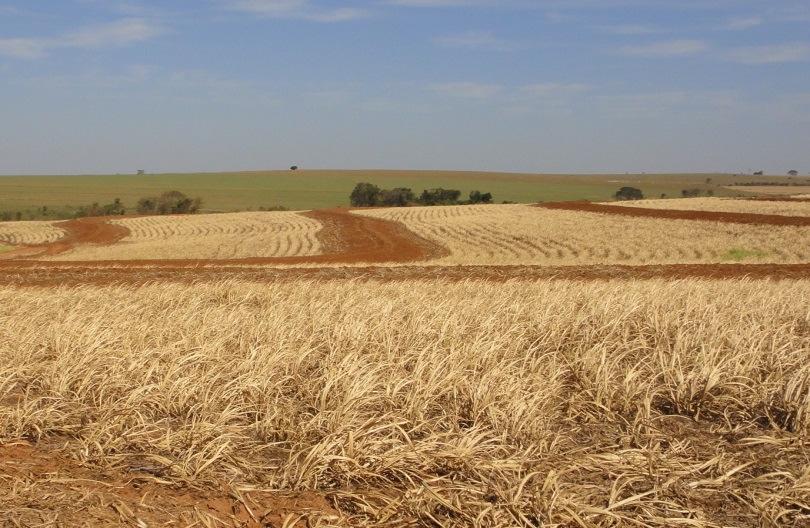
(556, 364)
(515, 234)
(230, 235)
(315, 189)
(424, 402)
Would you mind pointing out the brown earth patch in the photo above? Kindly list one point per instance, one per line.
(42, 486)
(78, 231)
(675, 214)
(67, 275)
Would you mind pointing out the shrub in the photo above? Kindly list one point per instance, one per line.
(170, 202)
(629, 193)
(477, 197)
(398, 197)
(439, 196)
(365, 195)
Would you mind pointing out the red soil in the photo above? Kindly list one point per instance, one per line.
(68, 275)
(42, 486)
(671, 214)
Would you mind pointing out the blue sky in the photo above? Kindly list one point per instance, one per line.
(516, 85)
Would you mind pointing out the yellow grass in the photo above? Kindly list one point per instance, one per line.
(35, 232)
(725, 205)
(521, 234)
(771, 189)
(214, 236)
(428, 403)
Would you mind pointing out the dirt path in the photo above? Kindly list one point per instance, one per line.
(41, 486)
(346, 239)
(673, 214)
(81, 275)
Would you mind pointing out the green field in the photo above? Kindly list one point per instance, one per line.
(312, 189)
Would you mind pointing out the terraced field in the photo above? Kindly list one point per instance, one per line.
(724, 205)
(28, 233)
(521, 234)
(212, 236)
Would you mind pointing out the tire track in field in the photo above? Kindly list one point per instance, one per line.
(678, 214)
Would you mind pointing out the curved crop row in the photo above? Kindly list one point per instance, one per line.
(520, 234)
(211, 236)
(29, 233)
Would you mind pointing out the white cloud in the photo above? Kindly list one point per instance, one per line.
(118, 33)
(554, 89)
(671, 48)
(466, 90)
(476, 40)
(297, 9)
(742, 23)
(774, 54)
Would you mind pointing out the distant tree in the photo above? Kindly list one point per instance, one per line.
(690, 193)
(146, 206)
(439, 196)
(629, 193)
(710, 192)
(759, 173)
(294, 168)
(663, 195)
(365, 195)
(793, 173)
(477, 197)
(397, 197)
(708, 181)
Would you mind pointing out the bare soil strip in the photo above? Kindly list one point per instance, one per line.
(674, 214)
(40, 486)
(70, 275)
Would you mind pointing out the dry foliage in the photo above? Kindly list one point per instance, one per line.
(724, 205)
(521, 234)
(209, 236)
(429, 403)
(29, 232)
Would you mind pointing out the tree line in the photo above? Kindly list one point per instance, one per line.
(369, 195)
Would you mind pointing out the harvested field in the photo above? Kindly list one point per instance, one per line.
(725, 205)
(421, 403)
(520, 234)
(214, 236)
(29, 233)
(783, 190)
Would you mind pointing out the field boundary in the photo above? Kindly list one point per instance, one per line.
(678, 214)
(75, 274)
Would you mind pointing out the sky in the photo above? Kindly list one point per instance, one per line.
(109, 86)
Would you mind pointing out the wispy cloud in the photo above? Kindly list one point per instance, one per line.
(554, 89)
(297, 9)
(742, 23)
(774, 54)
(466, 90)
(476, 40)
(670, 48)
(631, 29)
(118, 33)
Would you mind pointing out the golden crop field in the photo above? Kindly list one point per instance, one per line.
(431, 403)
(29, 232)
(209, 236)
(522, 234)
(724, 205)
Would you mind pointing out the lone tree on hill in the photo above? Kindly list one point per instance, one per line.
(793, 173)
(629, 193)
(294, 168)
